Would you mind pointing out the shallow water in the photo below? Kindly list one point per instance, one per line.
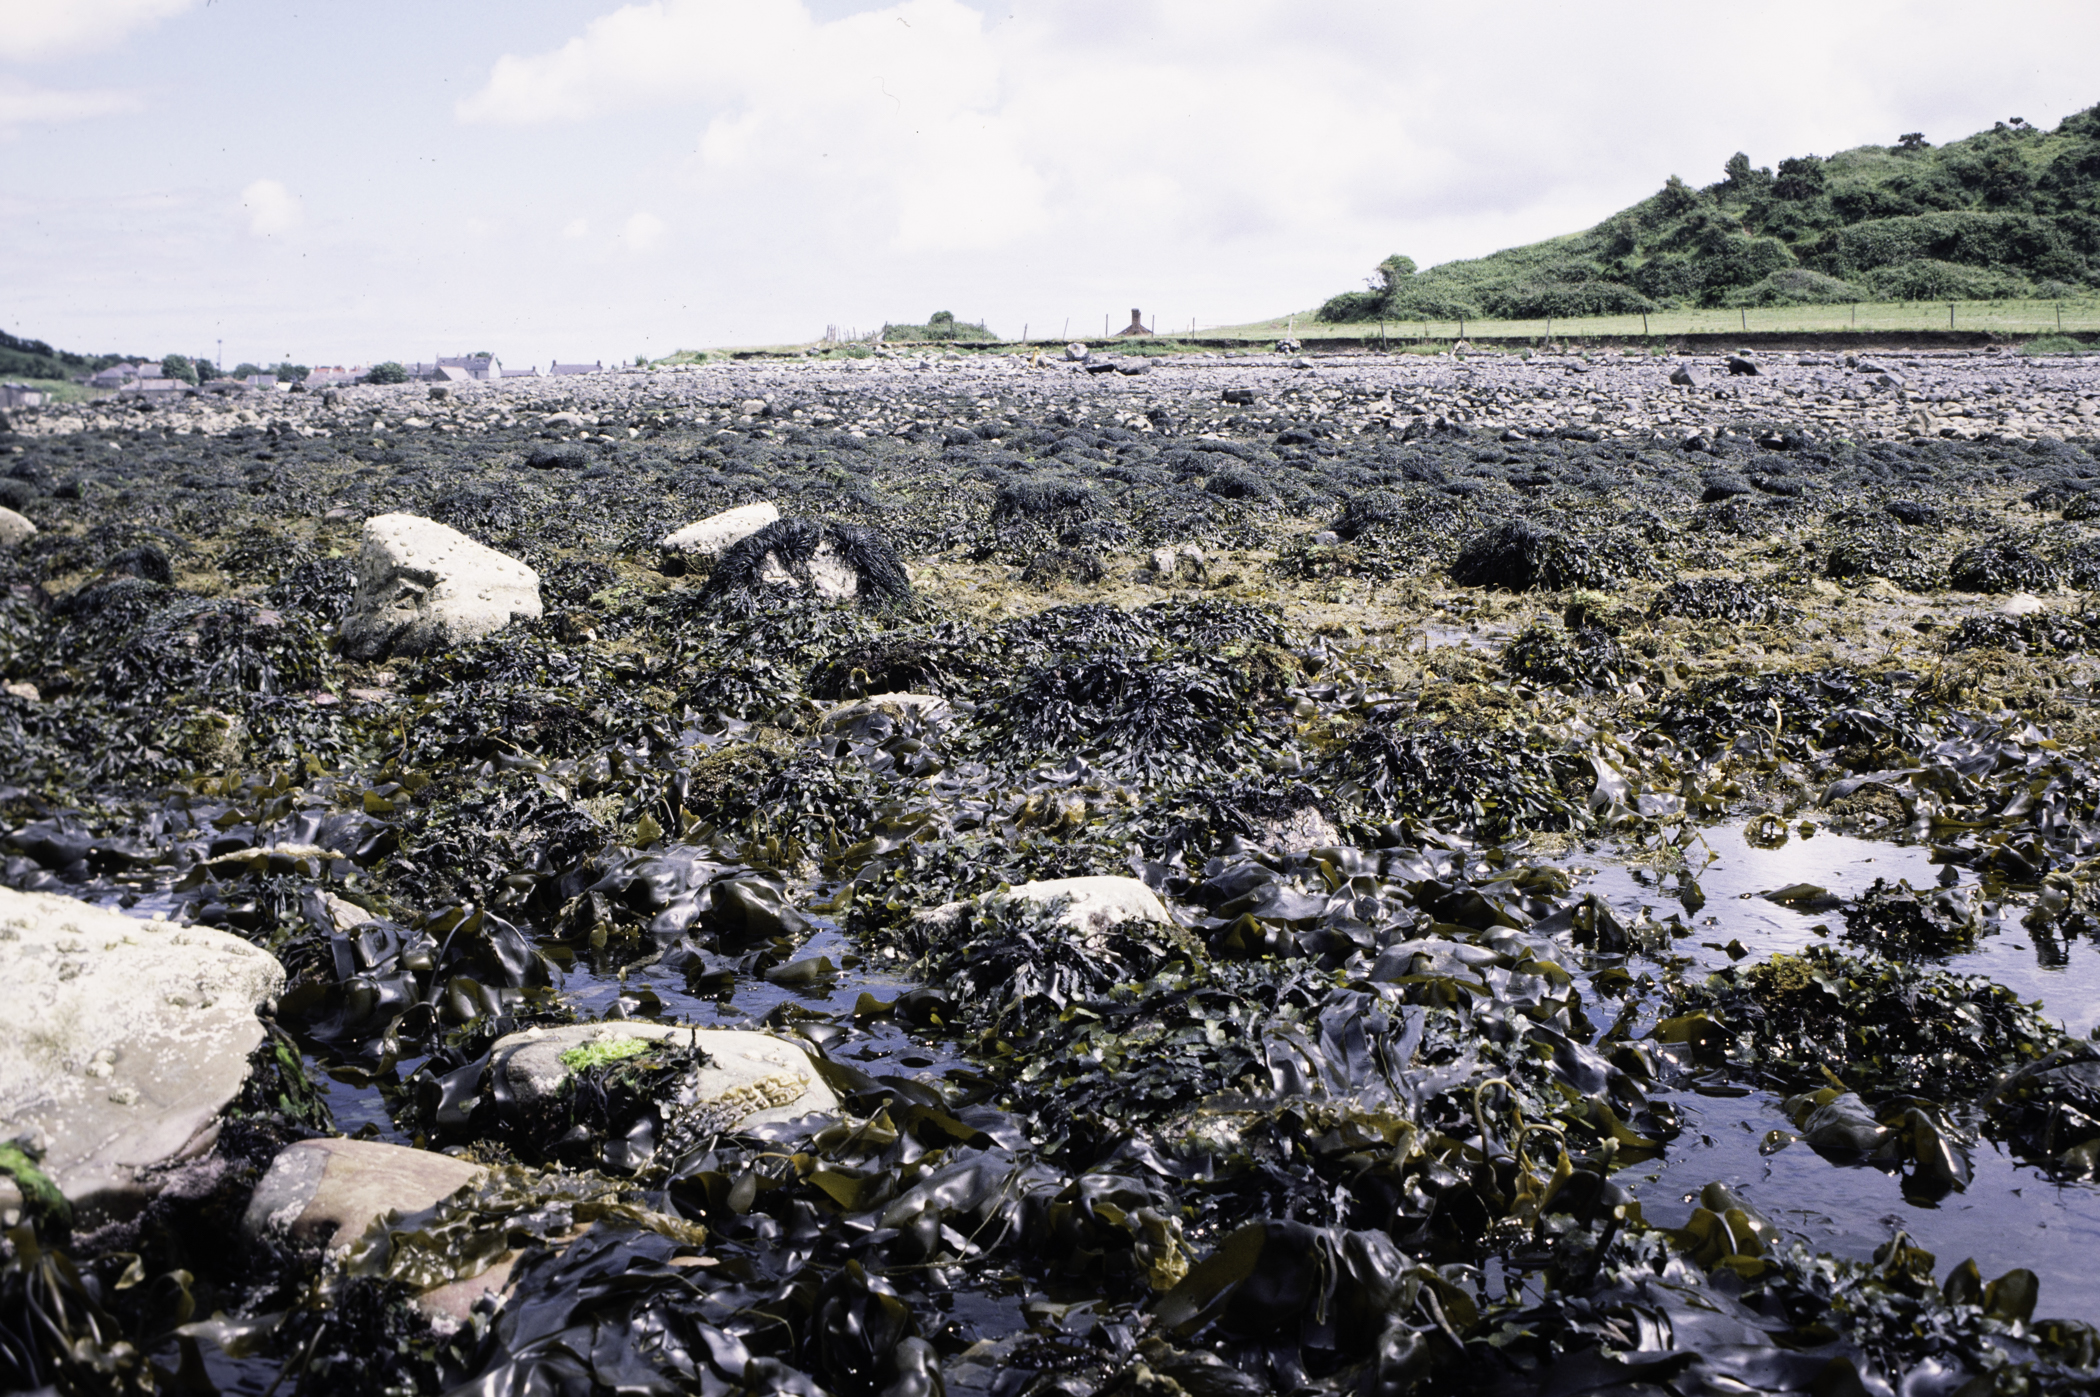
(2010, 1215)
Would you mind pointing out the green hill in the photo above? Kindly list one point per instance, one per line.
(2009, 212)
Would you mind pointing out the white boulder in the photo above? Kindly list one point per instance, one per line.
(713, 535)
(14, 529)
(1092, 905)
(422, 587)
(120, 1039)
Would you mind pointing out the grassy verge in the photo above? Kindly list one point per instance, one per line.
(2002, 317)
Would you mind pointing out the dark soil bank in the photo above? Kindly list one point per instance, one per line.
(1626, 860)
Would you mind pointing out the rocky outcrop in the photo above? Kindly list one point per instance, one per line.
(120, 1039)
(422, 587)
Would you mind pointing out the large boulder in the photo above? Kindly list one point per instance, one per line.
(713, 536)
(14, 529)
(120, 1039)
(422, 587)
(752, 1078)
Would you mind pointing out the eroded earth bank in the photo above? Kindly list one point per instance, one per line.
(1166, 875)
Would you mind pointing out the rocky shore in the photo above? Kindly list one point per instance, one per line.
(1082, 873)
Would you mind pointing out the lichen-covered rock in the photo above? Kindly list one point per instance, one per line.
(422, 587)
(1092, 905)
(120, 1039)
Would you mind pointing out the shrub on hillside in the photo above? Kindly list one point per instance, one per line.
(1796, 286)
(389, 372)
(1925, 279)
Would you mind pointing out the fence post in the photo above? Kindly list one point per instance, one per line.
(1744, 316)
(1950, 315)
(1644, 324)
(2059, 317)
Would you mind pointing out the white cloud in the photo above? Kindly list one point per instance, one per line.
(31, 30)
(24, 105)
(271, 208)
(643, 231)
(576, 228)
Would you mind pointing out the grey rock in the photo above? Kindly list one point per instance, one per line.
(14, 529)
(1682, 377)
(422, 587)
(1741, 367)
(1076, 353)
(120, 1039)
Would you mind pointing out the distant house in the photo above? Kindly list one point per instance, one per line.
(479, 370)
(117, 375)
(269, 383)
(155, 387)
(20, 395)
(1135, 327)
(559, 370)
(529, 371)
(333, 377)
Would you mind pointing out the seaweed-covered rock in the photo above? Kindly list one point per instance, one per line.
(1898, 920)
(745, 1079)
(423, 587)
(120, 1039)
(1520, 556)
(1588, 656)
(2002, 565)
(1715, 599)
(823, 558)
(716, 534)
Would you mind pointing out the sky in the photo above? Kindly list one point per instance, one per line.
(341, 183)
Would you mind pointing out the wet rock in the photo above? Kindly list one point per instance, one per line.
(752, 1078)
(715, 534)
(120, 1039)
(928, 706)
(423, 587)
(14, 529)
(326, 1192)
(1093, 905)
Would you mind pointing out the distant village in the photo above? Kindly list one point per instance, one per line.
(148, 379)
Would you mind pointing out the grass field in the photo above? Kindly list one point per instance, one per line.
(2004, 317)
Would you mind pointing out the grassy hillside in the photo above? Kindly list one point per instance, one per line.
(2007, 213)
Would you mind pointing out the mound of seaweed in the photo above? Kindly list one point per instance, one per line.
(1716, 599)
(1520, 556)
(781, 555)
(1588, 656)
